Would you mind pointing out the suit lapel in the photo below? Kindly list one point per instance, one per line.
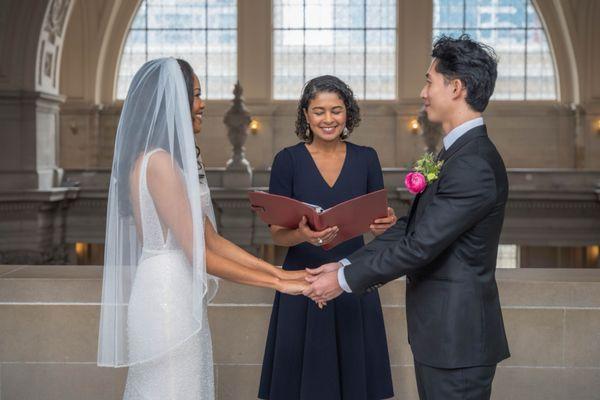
(413, 208)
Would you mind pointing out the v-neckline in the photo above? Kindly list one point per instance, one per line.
(337, 179)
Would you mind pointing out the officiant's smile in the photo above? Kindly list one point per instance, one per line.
(326, 116)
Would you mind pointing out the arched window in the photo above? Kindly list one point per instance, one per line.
(513, 28)
(352, 39)
(203, 32)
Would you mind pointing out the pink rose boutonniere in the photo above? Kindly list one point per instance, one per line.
(426, 170)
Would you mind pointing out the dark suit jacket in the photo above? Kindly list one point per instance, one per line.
(447, 249)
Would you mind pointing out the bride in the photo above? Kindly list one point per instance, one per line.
(162, 244)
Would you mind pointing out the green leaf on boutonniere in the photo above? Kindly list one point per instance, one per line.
(429, 167)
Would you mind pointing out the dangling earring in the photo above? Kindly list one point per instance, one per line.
(307, 134)
(345, 133)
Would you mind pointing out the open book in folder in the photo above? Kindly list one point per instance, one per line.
(353, 217)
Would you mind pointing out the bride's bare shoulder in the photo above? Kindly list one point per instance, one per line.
(162, 169)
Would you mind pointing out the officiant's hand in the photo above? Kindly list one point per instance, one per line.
(383, 224)
(316, 238)
(324, 287)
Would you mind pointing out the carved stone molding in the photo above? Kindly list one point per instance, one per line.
(58, 255)
(33, 225)
(50, 45)
(559, 205)
(88, 204)
(12, 207)
(232, 204)
(55, 19)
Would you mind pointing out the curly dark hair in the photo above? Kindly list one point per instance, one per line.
(326, 84)
(474, 63)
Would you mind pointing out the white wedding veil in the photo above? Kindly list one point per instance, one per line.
(156, 115)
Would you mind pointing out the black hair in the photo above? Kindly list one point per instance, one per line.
(326, 84)
(474, 63)
(188, 77)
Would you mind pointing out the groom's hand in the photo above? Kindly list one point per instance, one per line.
(313, 273)
(325, 287)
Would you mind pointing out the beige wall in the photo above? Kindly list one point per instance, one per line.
(529, 134)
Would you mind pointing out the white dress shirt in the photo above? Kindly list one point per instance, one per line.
(449, 140)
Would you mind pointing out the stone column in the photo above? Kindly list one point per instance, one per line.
(31, 199)
(28, 143)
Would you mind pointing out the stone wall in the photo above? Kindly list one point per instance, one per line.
(49, 325)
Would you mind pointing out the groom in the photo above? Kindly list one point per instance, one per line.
(447, 245)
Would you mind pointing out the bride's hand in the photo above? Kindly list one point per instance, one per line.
(292, 275)
(293, 287)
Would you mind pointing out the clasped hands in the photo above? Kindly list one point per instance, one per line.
(324, 285)
(321, 284)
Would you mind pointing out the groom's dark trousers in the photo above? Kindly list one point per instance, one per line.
(472, 383)
(447, 248)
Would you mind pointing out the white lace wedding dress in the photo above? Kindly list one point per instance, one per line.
(160, 307)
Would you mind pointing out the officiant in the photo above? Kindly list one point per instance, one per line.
(338, 351)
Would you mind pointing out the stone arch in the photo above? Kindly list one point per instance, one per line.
(112, 48)
(101, 29)
(559, 24)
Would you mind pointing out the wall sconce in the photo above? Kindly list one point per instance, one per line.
(597, 126)
(593, 256)
(82, 251)
(414, 125)
(254, 126)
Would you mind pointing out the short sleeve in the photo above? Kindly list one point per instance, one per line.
(375, 175)
(282, 174)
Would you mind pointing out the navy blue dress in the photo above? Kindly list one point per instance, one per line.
(339, 352)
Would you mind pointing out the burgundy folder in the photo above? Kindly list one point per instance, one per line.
(353, 217)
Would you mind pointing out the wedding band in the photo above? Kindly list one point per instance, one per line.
(320, 241)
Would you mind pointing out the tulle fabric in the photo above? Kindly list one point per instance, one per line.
(169, 290)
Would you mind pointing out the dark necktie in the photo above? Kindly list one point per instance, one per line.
(441, 153)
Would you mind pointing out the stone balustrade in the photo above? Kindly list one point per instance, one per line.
(545, 208)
